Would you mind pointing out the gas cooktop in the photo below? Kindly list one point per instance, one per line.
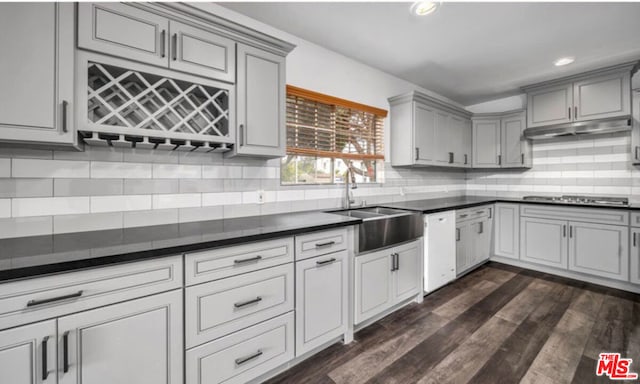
(566, 199)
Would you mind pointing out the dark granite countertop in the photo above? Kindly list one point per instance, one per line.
(447, 204)
(37, 255)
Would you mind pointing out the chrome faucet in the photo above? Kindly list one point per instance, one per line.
(349, 180)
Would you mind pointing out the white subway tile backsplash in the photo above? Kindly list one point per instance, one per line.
(221, 172)
(250, 197)
(49, 206)
(315, 194)
(177, 171)
(87, 222)
(186, 215)
(259, 173)
(5, 167)
(5, 208)
(120, 203)
(26, 226)
(221, 198)
(113, 170)
(154, 217)
(182, 200)
(35, 168)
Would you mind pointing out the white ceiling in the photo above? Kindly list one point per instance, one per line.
(468, 52)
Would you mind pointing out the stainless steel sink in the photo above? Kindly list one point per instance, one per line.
(383, 227)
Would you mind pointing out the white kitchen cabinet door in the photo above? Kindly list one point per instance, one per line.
(407, 279)
(635, 133)
(460, 130)
(598, 249)
(481, 243)
(425, 126)
(321, 300)
(439, 250)
(550, 105)
(261, 103)
(200, 52)
(37, 44)
(544, 241)
(602, 97)
(124, 30)
(463, 248)
(514, 147)
(507, 231)
(373, 284)
(635, 256)
(138, 341)
(486, 143)
(442, 139)
(28, 354)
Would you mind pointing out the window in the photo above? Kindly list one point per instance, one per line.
(327, 135)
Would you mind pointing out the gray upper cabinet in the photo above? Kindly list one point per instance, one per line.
(598, 94)
(498, 141)
(550, 106)
(515, 149)
(635, 133)
(37, 99)
(123, 30)
(602, 97)
(202, 53)
(427, 131)
(486, 143)
(127, 31)
(261, 98)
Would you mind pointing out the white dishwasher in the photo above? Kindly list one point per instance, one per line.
(439, 249)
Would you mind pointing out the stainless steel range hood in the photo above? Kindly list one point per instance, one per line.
(593, 127)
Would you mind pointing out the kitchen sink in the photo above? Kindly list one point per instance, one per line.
(384, 227)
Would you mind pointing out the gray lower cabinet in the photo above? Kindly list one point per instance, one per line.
(37, 99)
(506, 241)
(321, 300)
(385, 278)
(138, 341)
(28, 354)
(634, 263)
(473, 243)
(544, 241)
(599, 249)
(242, 356)
(261, 98)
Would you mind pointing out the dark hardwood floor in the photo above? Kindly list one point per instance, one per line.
(498, 324)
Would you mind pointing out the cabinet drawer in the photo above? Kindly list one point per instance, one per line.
(221, 307)
(591, 215)
(635, 219)
(474, 213)
(321, 243)
(218, 263)
(30, 300)
(244, 355)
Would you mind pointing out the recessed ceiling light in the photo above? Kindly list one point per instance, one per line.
(563, 61)
(423, 8)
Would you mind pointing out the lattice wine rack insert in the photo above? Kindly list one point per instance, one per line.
(132, 108)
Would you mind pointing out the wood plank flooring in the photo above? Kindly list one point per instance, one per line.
(498, 324)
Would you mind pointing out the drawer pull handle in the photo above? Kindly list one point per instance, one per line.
(463, 216)
(45, 369)
(33, 303)
(65, 352)
(248, 302)
(479, 212)
(240, 261)
(328, 243)
(243, 360)
(323, 262)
